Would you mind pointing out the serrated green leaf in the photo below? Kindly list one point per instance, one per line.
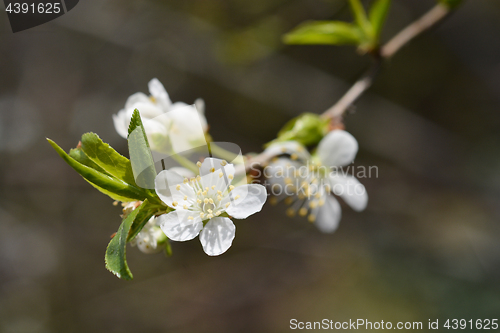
(140, 153)
(79, 155)
(102, 180)
(107, 158)
(360, 16)
(115, 258)
(325, 32)
(378, 14)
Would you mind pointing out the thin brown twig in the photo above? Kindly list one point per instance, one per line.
(428, 20)
(424, 23)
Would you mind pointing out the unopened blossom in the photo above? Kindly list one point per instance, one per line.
(151, 238)
(308, 182)
(204, 204)
(169, 126)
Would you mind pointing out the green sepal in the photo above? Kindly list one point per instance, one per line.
(307, 129)
(325, 32)
(102, 180)
(140, 153)
(115, 258)
(107, 158)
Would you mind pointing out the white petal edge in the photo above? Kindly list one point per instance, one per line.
(173, 226)
(217, 236)
(329, 215)
(337, 148)
(158, 91)
(164, 182)
(250, 200)
(350, 190)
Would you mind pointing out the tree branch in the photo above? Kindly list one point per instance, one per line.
(424, 23)
(431, 18)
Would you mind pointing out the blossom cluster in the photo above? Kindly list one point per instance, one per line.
(205, 203)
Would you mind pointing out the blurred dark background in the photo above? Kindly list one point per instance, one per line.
(427, 247)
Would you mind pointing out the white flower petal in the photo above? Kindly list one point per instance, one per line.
(186, 173)
(121, 123)
(217, 236)
(159, 93)
(349, 189)
(187, 130)
(250, 199)
(176, 228)
(329, 215)
(288, 147)
(216, 164)
(167, 183)
(337, 148)
(136, 98)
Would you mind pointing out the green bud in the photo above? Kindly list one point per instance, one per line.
(307, 129)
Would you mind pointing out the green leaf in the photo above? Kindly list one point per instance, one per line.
(360, 16)
(378, 14)
(325, 32)
(115, 258)
(142, 218)
(107, 158)
(450, 3)
(140, 153)
(104, 181)
(79, 155)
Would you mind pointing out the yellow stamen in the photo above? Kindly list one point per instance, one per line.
(311, 218)
(294, 156)
(212, 170)
(303, 211)
(205, 200)
(190, 218)
(227, 205)
(221, 174)
(236, 197)
(223, 163)
(178, 187)
(209, 216)
(230, 176)
(198, 164)
(174, 203)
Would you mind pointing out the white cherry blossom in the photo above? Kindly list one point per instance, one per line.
(169, 126)
(151, 238)
(308, 181)
(204, 204)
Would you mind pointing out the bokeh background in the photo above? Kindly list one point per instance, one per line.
(427, 247)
